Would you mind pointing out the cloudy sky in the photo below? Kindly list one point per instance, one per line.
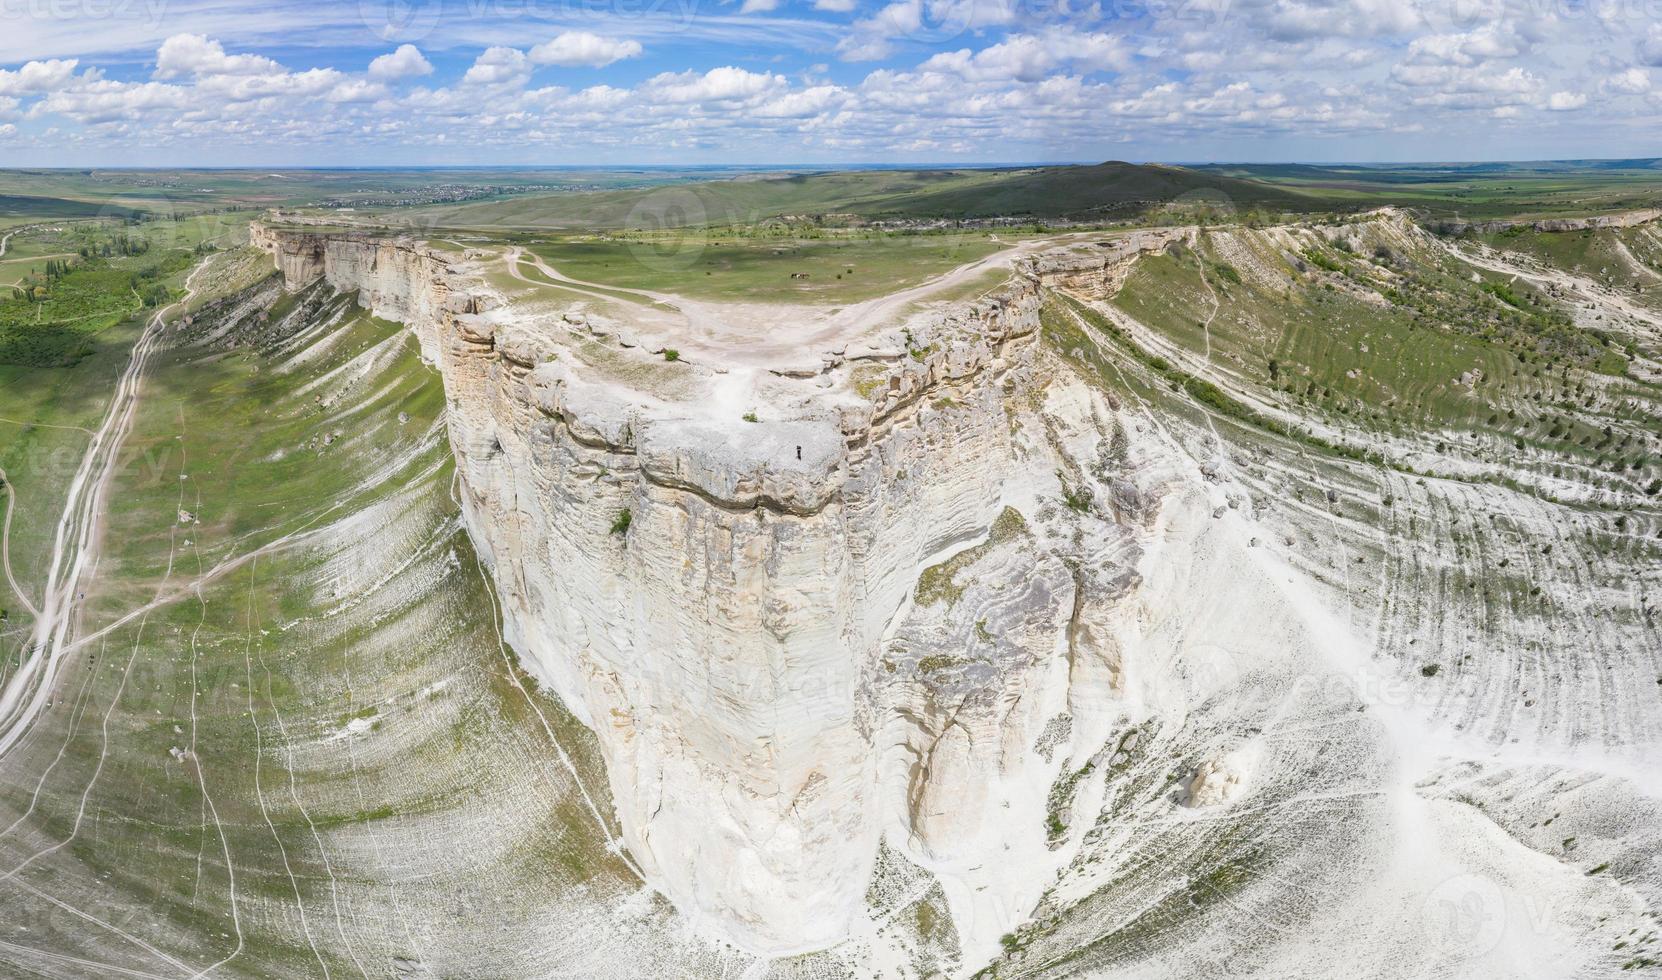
(158, 82)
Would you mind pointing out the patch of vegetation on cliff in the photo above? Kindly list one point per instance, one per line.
(938, 582)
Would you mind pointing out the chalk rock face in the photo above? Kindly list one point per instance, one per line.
(866, 617)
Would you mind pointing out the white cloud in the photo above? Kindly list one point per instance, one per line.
(1566, 101)
(193, 54)
(1301, 19)
(1026, 57)
(1473, 48)
(575, 49)
(871, 38)
(1634, 81)
(758, 6)
(8, 130)
(834, 6)
(105, 101)
(38, 76)
(355, 90)
(499, 66)
(406, 62)
(1069, 79)
(716, 85)
(800, 105)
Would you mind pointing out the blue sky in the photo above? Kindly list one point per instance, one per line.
(562, 82)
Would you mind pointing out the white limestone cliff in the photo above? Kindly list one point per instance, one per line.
(865, 617)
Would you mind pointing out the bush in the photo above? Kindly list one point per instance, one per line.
(620, 524)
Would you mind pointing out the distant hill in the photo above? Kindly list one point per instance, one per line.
(1112, 189)
(1467, 191)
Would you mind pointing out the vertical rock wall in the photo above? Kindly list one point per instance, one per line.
(770, 687)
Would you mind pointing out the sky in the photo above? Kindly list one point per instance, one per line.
(604, 82)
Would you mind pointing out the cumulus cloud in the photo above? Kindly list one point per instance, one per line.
(1472, 48)
(1026, 57)
(193, 54)
(1634, 81)
(724, 84)
(406, 62)
(499, 66)
(872, 38)
(38, 76)
(1300, 19)
(963, 76)
(580, 49)
(803, 104)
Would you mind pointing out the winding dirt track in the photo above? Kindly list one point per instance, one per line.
(6, 547)
(75, 544)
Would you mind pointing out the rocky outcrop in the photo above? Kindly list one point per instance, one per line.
(867, 617)
(1624, 219)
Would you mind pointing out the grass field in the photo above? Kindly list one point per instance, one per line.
(176, 191)
(835, 270)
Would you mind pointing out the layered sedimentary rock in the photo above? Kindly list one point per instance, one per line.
(863, 611)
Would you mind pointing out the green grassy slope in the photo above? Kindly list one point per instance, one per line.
(295, 742)
(1375, 330)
